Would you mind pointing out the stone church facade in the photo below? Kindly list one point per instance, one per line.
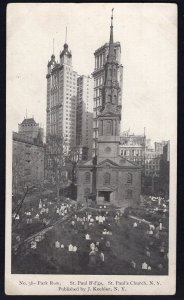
(110, 177)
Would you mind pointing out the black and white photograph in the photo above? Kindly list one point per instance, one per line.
(91, 148)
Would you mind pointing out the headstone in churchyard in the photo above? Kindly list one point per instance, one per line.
(33, 245)
(74, 248)
(144, 266)
(102, 256)
(57, 244)
(100, 220)
(92, 256)
(40, 204)
(37, 239)
(108, 244)
(70, 248)
(152, 227)
(87, 236)
(133, 264)
(92, 245)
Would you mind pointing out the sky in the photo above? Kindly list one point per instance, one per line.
(148, 37)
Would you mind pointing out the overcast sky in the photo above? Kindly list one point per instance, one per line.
(147, 33)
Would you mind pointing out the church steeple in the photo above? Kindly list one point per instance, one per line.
(111, 42)
(110, 116)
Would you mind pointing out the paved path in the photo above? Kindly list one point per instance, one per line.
(138, 219)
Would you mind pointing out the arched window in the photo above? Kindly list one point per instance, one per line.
(129, 178)
(107, 178)
(115, 99)
(110, 98)
(109, 127)
(87, 177)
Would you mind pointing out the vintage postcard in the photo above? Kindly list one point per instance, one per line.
(91, 149)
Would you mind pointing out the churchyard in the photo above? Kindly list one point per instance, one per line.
(66, 239)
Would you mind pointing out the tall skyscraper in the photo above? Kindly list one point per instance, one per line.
(99, 77)
(62, 98)
(84, 125)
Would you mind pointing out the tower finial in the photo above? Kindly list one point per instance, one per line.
(112, 17)
(66, 35)
(111, 43)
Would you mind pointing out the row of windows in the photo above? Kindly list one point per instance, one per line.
(106, 178)
(99, 60)
(131, 152)
(156, 167)
(99, 81)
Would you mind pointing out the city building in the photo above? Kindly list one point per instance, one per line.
(84, 123)
(132, 147)
(153, 175)
(152, 163)
(28, 157)
(99, 77)
(110, 177)
(62, 98)
(30, 128)
(165, 169)
(159, 146)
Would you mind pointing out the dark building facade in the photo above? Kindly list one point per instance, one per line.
(113, 179)
(28, 156)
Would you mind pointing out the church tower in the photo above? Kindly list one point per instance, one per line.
(109, 178)
(110, 117)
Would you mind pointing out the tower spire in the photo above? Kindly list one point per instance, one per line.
(66, 35)
(111, 43)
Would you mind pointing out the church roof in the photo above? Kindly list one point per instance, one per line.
(118, 161)
(88, 163)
